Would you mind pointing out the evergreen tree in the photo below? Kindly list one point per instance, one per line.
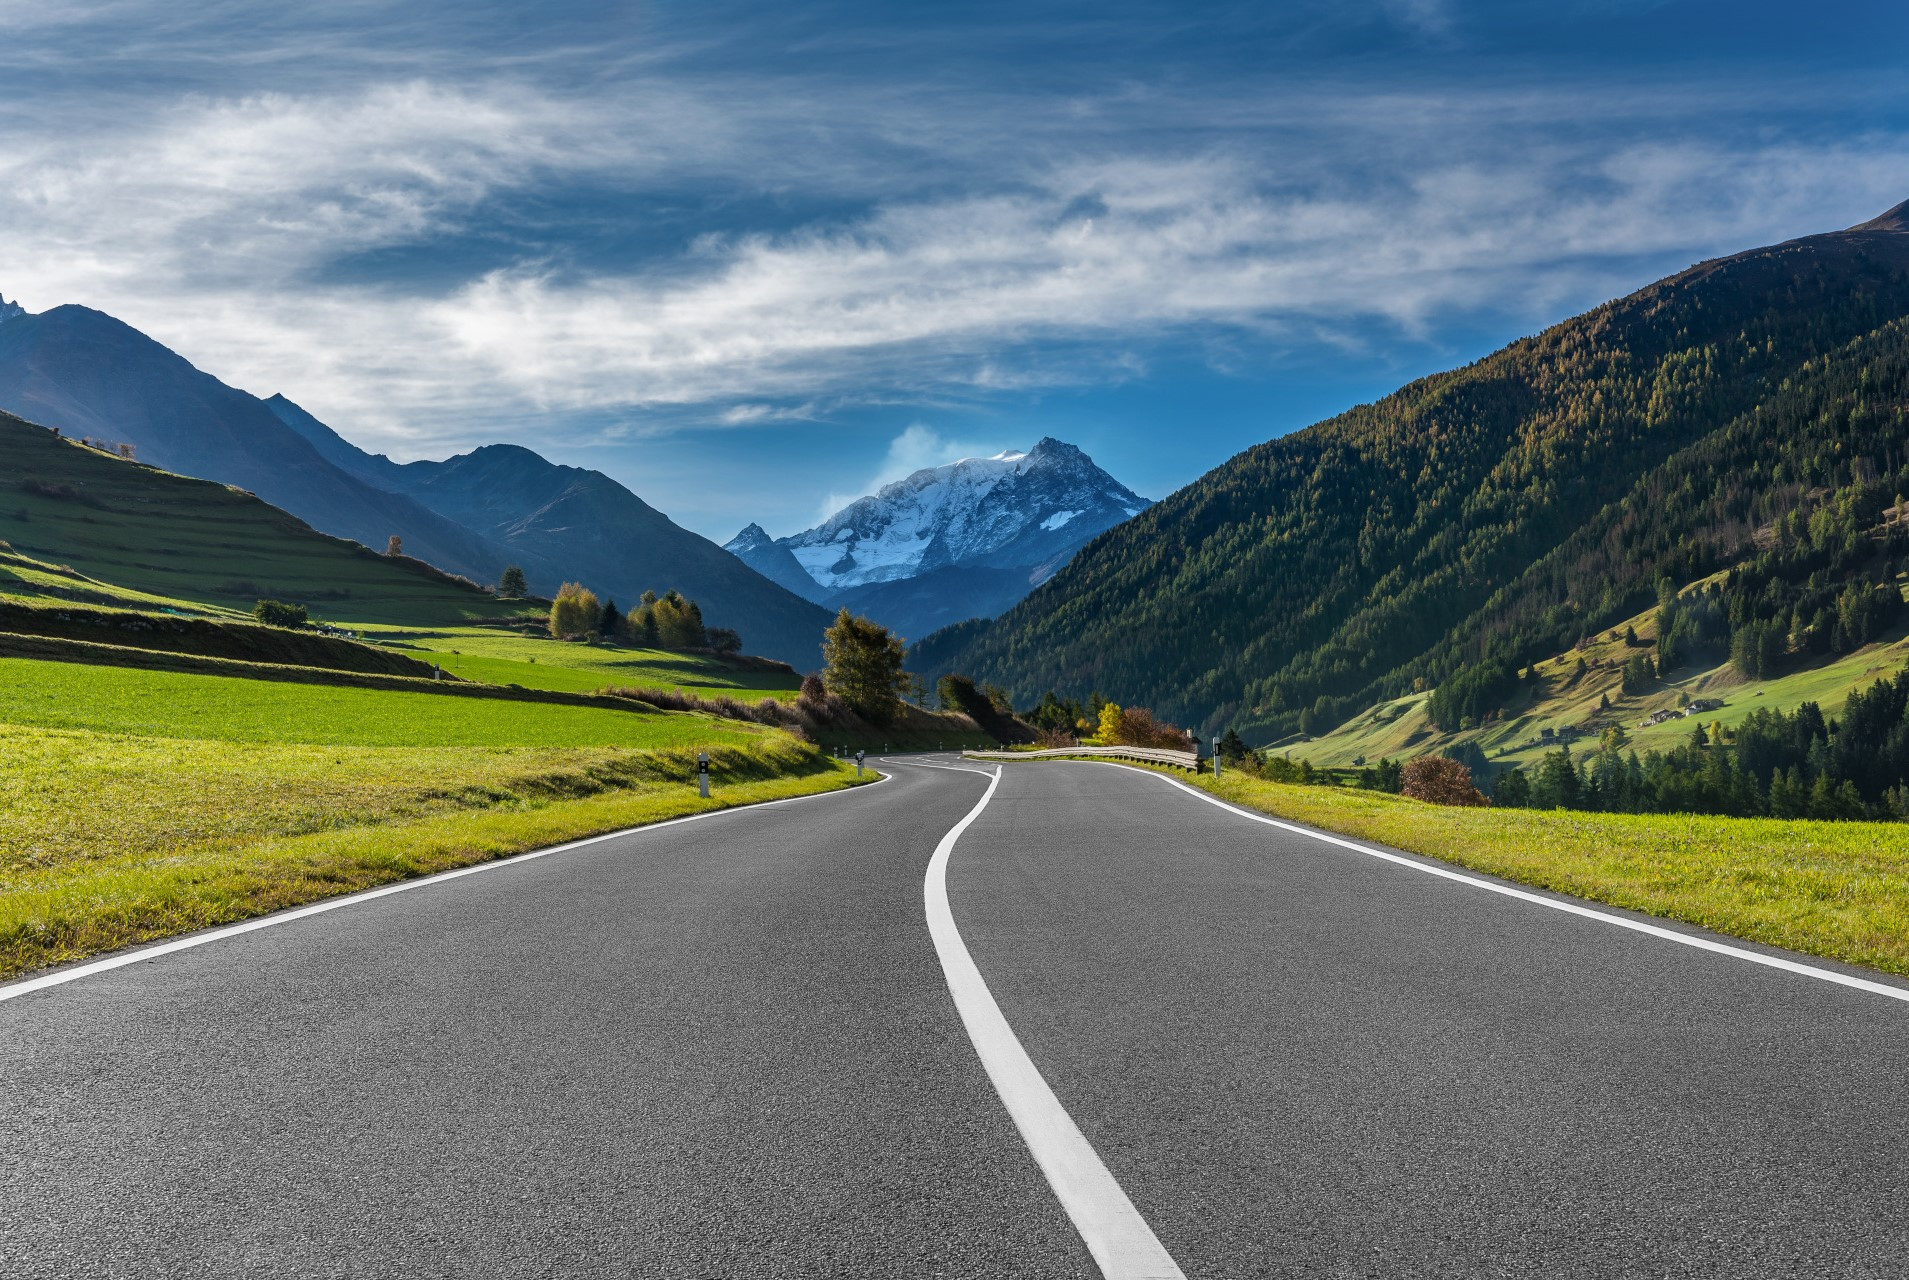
(863, 666)
(511, 586)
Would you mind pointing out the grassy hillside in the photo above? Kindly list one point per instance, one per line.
(86, 526)
(504, 656)
(1499, 511)
(1559, 705)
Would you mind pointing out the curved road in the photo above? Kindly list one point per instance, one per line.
(728, 1048)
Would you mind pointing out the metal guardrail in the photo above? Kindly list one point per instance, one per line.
(1149, 755)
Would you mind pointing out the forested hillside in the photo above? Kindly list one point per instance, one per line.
(1750, 408)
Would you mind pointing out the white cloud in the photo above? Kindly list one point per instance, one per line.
(219, 225)
(916, 448)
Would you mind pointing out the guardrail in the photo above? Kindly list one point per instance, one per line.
(1147, 755)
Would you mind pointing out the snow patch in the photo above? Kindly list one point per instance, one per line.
(1059, 518)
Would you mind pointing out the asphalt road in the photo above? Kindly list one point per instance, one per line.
(726, 1048)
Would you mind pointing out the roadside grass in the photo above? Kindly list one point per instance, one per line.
(108, 840)
(1834, 889)
(167, 704)
(497, 656)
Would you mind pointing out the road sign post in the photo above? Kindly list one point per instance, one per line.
(858, 762)
(702, 773)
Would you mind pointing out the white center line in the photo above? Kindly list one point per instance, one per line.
(1123, 1245)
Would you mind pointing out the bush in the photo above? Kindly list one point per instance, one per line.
(1136, 727)
(276, 613)
(1438, 780)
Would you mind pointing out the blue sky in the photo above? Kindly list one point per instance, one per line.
(752, 259)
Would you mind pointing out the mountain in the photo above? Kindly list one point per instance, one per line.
(1749, 415)
(608, 537)
(963, 540)
(590, 527)
(755, 548)
(91, 375)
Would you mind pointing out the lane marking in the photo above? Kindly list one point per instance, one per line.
(60, 977)
(1123, 1245)
(947, 768)
(1570, 908)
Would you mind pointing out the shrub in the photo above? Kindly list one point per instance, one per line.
(1136, 727)
(276, 613)
(1439, 780)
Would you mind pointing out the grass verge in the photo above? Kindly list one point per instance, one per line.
(107, 841)
(1834, 889)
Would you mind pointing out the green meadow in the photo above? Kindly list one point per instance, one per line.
(164, 704)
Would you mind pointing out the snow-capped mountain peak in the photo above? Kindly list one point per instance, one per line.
(1024, 509)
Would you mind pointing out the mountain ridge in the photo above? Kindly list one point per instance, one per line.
(596, 530)
(1399, 541)
(88, 373)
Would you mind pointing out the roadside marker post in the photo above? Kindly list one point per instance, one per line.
(858, 762)
(1216, 755)
(702, 773)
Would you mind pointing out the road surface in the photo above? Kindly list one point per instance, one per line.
(729, 1048)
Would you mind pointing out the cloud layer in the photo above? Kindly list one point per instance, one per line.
(438, 253)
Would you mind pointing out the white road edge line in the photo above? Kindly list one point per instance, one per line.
(1123, 1245)
(119, 960)
(1570, 908)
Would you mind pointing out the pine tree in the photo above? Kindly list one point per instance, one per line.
(511, 586)
(863, 666)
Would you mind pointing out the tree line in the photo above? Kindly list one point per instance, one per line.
(668, 621)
